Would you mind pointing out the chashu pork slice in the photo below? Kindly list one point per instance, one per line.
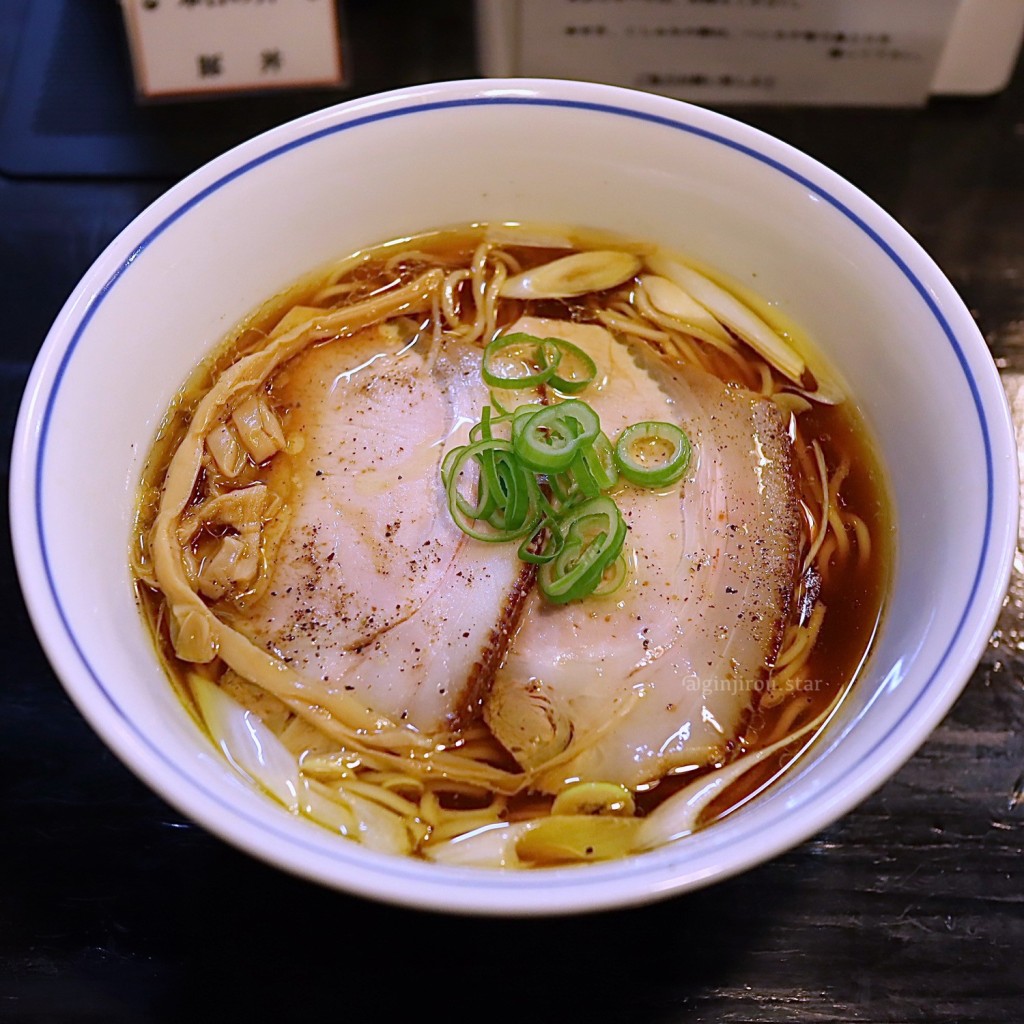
(372, 588)
(660, 675)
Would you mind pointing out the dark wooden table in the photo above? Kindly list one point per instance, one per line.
(115, 908)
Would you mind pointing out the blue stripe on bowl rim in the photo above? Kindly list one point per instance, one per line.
(396, 867)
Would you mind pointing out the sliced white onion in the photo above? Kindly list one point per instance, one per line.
(377, 827)
(491, 846)
(671, 299)
(678, 816)
(733, 314)
(356, 817)
(827, 391)
(582, 272)
(331, 813)
(791, 403)
(247, 743)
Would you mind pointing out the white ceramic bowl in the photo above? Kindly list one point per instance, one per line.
(236, 231)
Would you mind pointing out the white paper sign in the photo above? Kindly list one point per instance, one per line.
(182, 47)
(874, 52)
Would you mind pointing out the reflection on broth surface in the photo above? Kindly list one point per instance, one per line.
(511, 547)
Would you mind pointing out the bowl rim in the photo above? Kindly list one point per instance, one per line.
(430, 886)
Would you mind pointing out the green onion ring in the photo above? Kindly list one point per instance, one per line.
(507, 494)
(544, 544)
(662, 469)
(600, 459)
(574, 384)
(544, 481)
(612, 578)
(594, 539)
(548, 439)
(546, 355)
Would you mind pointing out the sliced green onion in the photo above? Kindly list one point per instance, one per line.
(548, 439)
(563, 487)
(449, 460)
(595, 535)
(538, 473)
(582, 477)
(613, 577)
(481, 430)
(520, 493)
(544, 543)
(507, 495)
(600, 460)
(593, 470)
(520, 412)
(574, 371)
(520, 361)
(652, 453)
(486, 500)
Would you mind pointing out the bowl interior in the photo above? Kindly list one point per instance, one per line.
(241, 229)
